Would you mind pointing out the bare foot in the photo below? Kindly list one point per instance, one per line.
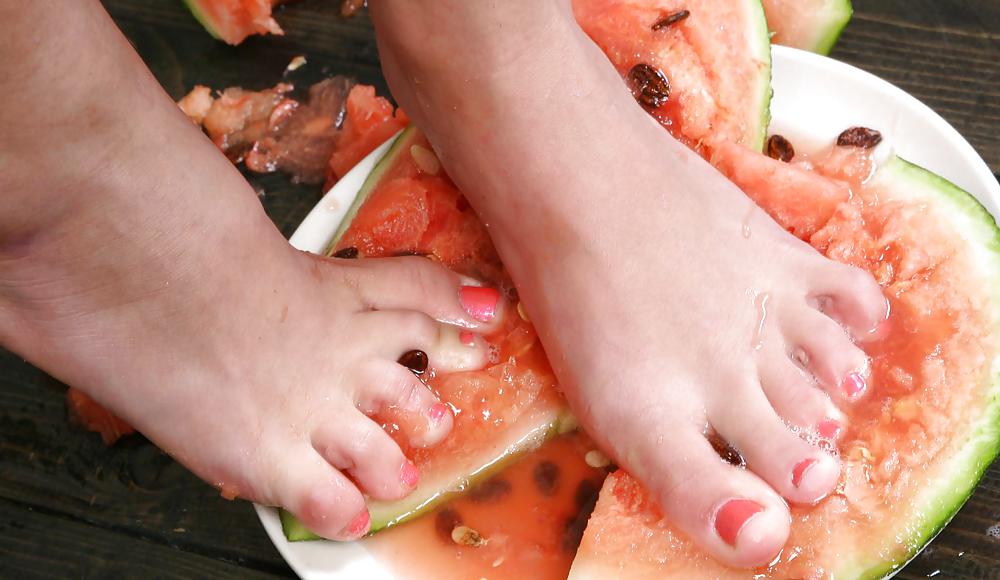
(664, 320)
(137, 265)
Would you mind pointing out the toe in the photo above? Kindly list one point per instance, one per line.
(800, 472)
(795, 397)
(394, 392)
(852, 297)
(728, 511)
(448, 348)
(324, 499)
(820, 345)
(415, 283)
(361, 448)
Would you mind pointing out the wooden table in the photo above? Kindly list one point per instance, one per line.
(69, 507)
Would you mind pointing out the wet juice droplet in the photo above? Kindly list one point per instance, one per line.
(760, 305)
(746, 222)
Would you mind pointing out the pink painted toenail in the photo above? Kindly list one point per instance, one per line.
(828, 429)
(358, 525)
(480, 303)
(854, 385)
(437, 412)
(409, 474)
(732, 516)
(467, 338)
(800, 470)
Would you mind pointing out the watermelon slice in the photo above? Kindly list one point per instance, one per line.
(813, 25)
(915, 449)
(714, 56)
(408, 205)
(233, 20)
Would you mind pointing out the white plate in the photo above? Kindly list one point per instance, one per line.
(815, 98)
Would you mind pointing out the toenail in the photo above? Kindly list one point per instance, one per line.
(800, 470)
(828, 429)
(358, 525)
(409, 474)
(415, 360)
(733, 516)
(854, 385)
(437, 412)
(467, 338)
(479, 302)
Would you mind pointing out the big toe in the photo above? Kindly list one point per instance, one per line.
(422, 285)
(727, 510)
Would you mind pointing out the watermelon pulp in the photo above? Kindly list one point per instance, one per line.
(233, 20)
(914, 449)
(813, 25)
(716, 60)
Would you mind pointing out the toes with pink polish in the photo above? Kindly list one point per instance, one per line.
(800, 469)
(358, 526)
(480, 302)
(733, 516)
(437, 412)
(854, 385)
(409, 474)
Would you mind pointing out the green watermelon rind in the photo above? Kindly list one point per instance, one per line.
(432, 492)
(202, 17)
(835, 27)
(764, 91)
(942, 500)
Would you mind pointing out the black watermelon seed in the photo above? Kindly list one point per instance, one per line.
(415, 360)
(546, 476)
(649, 86)
(349, 253)
(445, 521)
(780, 148)
(491, 490)
(671, 19)
(862, 137)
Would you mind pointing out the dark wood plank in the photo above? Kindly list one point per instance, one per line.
(131, 489)
(43, 545)
(71, 507)
(945, 53)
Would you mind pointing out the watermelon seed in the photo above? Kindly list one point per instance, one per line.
(466, 536)
(649, 86)
(596, 459)
(862, 137)
(491, 490)
(415, 360)
(725, 450)
(546, 476)
(349, 253)
(780, 148)
(573, 529)
(446, 521)
(672, 19)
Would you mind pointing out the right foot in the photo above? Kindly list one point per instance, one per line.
(664, 321)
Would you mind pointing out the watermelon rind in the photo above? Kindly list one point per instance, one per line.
(813, 25)
(763, 92)
(943, 497)
(526, 434)
(201, 15)
(838, 16)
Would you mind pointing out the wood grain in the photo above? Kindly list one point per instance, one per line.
(69, 507)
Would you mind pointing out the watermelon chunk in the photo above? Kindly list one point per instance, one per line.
(233, 20)
(813, 25)
(716, 60)
(913, 451)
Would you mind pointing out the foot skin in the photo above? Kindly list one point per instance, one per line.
(660, 338)
(137, 265)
